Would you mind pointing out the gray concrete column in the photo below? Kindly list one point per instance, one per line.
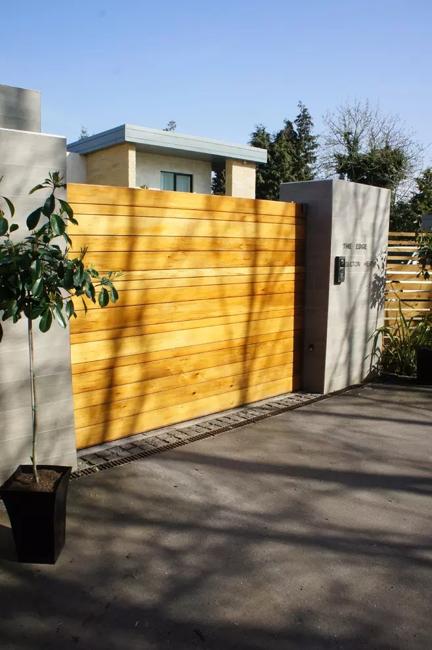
(20, 109)
(347, 220)
(25, 160)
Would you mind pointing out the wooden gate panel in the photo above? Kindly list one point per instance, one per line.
(210, 309)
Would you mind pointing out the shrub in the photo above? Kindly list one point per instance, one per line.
(395, 347)
(39, 280)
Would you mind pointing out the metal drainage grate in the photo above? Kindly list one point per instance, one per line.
(254, 414)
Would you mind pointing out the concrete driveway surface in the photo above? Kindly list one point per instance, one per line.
(310, 529)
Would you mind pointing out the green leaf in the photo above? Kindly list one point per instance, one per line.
(13, 227)
(68, 280)
(4, 226)
(103, 297)
(35, 269)
(59, 316)
(79, 274)
(10, 205)
(70, 310)
(49, 206)
(114, 294)
(67, 239)
(36, 188)
(66, 208)
(37, 288)
(45, 321)
(57, 224)
(90, 291)
(33, 219)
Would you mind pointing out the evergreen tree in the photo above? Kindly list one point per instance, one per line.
(406, 214)
(422, 200)
(291, 154)
(306, 146)
(261, 138)
(171, 126)
(218, 182)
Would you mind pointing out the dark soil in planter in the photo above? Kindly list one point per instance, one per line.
(48, 479)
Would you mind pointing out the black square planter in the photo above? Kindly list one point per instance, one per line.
(424, 366)
(38, 518)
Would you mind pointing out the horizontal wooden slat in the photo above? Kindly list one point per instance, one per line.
(251, 356)
(105, 349)
(146, 386)
(256, 342)
(249, 274)
(412, 268)
(127, 426)
(130, 280)
(231, 322)
(178, 395)
(169, 227)
(104, 194)
(181, 260)
(401, 246)
(173, 243)
(137, 316)
(256, 292)
(408, 295)
(157, 212)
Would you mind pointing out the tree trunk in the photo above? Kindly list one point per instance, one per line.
(33, 397)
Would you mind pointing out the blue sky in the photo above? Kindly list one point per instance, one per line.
(218, 68)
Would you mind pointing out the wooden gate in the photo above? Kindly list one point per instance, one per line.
(405, 290)
(210, 309)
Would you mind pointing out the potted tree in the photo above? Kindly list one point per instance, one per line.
(424, 351)
(39, 282)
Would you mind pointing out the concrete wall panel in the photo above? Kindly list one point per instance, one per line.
(76, 168)
(26, 159)
(350, 220)
(20, 109)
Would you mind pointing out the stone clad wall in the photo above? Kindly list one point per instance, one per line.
(240, 178)
(112, 166)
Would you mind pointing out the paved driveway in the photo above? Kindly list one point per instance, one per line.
(311, 529)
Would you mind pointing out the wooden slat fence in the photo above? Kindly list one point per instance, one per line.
(403, 286)
(210, 310)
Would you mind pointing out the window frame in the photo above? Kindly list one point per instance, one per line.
(190, 176)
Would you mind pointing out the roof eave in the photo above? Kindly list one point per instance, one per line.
(168, 142)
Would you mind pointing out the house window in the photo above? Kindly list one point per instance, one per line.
(176, 182)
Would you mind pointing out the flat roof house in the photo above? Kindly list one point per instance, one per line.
(134, 156)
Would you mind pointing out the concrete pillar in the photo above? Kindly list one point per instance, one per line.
(25, 160)
(20, 109)
(348, 220)
(240, 178)
(76, 168)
